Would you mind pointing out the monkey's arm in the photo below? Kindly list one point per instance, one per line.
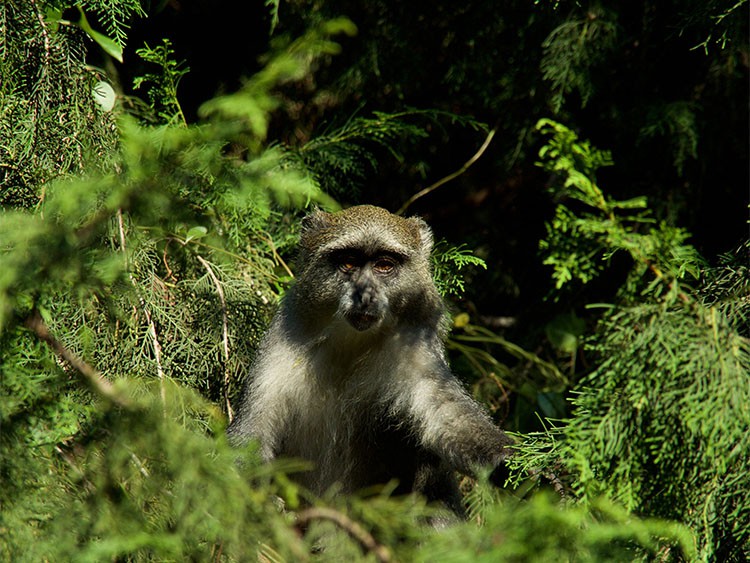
(246, 428)
(263, 411)
(453, 426)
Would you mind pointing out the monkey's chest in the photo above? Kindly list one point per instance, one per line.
(331, 424)
(349, 441)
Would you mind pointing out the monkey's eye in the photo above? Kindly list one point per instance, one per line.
(346, 263)
(384, 265)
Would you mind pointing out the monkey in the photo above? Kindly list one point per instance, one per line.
(352, 374)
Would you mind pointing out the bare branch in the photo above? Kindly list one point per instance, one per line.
(151, 325)
(552, 477)
(452, 176)
(91, 376)
(355, 530)
(225, 333)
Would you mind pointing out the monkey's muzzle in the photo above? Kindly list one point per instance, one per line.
(362, 321)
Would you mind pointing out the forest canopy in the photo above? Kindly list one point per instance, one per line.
(584, 167)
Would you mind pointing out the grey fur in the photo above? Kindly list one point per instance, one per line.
(352, 372)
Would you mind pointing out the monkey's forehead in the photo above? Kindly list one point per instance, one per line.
(366, 228)
(368, 239)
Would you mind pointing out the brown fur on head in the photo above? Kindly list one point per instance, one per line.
(341, 268)
(364, 225)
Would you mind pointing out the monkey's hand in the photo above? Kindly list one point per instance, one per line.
(501, 473)
(454, 427)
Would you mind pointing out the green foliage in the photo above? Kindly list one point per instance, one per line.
(481, 348)
(660, 424)
(290, 61)
(143, 482)
(158, 271)
(342, 159)
(162, 91)
(448, 261)
(497, 365)
(726, 20)
(115, 15)
(572, 49)
(579, 245)
(273, 6)
(153, 255)
(112, 48)
(45, 97)
(541, 530)
(663, 421)
(564, 332)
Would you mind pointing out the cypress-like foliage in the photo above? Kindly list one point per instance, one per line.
(659, 425)
(142, 254)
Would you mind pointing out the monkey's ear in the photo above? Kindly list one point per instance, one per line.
(316, 221)
(314, 225)
(424, 234)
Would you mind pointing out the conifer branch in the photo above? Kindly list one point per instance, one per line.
(451, 176)
(224, 333)
(91, 376)
(355, 530)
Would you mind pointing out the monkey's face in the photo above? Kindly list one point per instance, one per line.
(364, 266)
(365, 280)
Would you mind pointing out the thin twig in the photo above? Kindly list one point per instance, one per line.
(554, 480)
(121, 226)
(139, 464)
(354, 529)
(170, 273)
(149, 320)
(90, 375)
(45, 34)
(225, 332)
(276, 255)
(157, 350)
(557, 484)
(452, 176)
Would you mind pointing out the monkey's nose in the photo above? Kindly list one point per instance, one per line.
(366, 297)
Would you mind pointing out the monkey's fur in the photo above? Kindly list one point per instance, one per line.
(352, 372)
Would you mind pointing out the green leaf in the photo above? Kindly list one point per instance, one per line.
(104, 95)
(564, 331)
(52, 18)
(634, 203)
(110, 46)
(195, 233)
(552, 404)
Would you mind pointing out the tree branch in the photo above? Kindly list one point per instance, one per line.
(224, 332)
(355, 530)
(91, 376)
(149, 320)
(452, 176)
